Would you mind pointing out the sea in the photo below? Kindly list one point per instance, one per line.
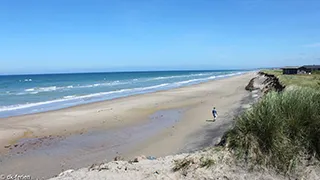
(27, 94)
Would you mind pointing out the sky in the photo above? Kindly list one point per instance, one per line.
(38, 36)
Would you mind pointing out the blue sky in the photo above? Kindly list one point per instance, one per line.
(110, 35)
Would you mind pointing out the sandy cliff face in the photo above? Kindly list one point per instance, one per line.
(262, 84)
(265, 82)
(271, 82)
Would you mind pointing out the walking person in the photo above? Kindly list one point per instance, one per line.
(214, 113)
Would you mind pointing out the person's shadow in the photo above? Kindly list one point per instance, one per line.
(210, 120)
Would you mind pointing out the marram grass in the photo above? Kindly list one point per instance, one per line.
(280, 130)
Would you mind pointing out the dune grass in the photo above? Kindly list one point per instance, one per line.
(303, 80)
(280, 131)
(182, 164)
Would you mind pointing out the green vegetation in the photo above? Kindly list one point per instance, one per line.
(316, 72)
(182, 164)
(274, 72)
(280, 131)
(303, 80)
(185, 163)
(206, 162)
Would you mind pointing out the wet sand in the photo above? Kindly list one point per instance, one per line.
(156, 124)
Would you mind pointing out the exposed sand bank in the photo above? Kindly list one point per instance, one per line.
(86, 134)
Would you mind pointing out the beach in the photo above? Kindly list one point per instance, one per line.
(157, 124)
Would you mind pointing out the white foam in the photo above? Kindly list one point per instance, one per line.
(28, 105)
(153, 87)
(187, 81)
(180, 76)
(205, 79)
(195, 80)
(113, 83)
(50, 88)
(121, 91)
(54, 88)
(74, 97)
(41, 89)
(212, 77)
(28, 90)
(69, 97)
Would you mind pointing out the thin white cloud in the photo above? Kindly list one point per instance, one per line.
(313, 45)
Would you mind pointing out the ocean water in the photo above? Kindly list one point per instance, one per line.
(25, 94)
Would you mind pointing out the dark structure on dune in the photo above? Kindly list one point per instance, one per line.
(306, 69)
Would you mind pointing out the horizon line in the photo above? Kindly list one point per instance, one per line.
(132, 71)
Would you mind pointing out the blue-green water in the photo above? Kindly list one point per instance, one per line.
(25, 94)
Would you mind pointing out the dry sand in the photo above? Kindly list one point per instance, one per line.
(212, 164)
(78, 136)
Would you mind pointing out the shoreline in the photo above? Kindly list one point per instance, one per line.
(136, 94)
(93, 105)
(119, 114)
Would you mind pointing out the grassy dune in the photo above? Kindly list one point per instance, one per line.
(283, 129)
(303, 80)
